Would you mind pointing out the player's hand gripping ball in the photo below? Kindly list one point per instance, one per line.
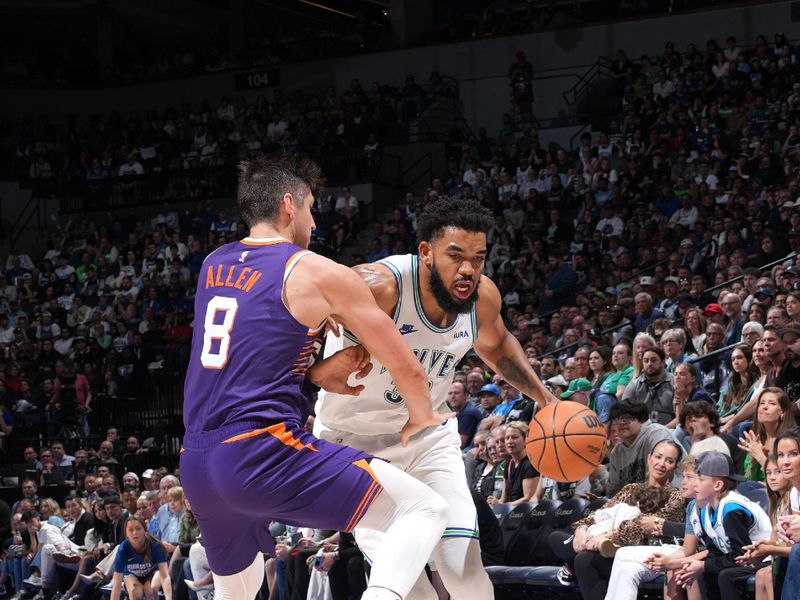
(565, 441)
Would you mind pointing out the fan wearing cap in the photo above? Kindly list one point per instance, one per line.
(728, 521)
(669, 304)
(578, 391)
(490, 397)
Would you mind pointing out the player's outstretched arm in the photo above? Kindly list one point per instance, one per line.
(501, 350)
(318, 288)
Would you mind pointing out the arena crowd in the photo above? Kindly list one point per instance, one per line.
(650, 274)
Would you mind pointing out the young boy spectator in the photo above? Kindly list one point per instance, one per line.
(727, 523)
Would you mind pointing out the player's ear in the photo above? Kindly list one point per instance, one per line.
(426, 253)
(289, 204)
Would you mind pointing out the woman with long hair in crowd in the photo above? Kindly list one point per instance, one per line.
(139, 557)
(695, 322)
(741, 420)
(769, 579)
(636, 564)
(741, 383)
(793, 305)
(756, 313)
(600, 368)
(774, 415)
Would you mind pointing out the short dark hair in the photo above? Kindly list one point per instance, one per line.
(265, 179)
(657, 350)
(469, 215)
(634, 408)
(28, 515)
(700, 408)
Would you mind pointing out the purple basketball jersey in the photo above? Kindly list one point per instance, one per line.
(249, 354)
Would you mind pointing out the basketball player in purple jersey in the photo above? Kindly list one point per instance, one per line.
(261, 304)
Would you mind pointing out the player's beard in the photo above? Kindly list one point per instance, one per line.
(445, 299)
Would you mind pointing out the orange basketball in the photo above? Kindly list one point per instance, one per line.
(565, 441)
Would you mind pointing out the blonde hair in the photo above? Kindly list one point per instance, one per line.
(175, 493)
(519, 426)
(689, 464)
(51, 505)
(674, 335)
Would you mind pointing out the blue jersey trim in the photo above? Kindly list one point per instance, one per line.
(399, 279)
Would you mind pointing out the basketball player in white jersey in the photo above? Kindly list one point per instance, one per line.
(443, 307)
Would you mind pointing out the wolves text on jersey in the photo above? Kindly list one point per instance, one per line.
(437, 363)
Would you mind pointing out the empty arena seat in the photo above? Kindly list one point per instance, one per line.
(513, 520)
(527, 547)
(542, 512)
(757, 492)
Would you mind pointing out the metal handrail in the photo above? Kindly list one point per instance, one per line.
(722, 350)
(560, 349)
(639, 274)
(761, 268)
(585, 79)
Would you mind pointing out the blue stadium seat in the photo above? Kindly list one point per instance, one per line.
(755, 491)
(501, 510)
(527, 552)
(512, 521)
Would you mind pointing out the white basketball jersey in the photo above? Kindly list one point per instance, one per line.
(379, 409)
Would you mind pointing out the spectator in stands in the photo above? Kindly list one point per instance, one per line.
(72, 399)
(673, 342)
(55, 548)
(700, 420)
(488, 475)
(696, 324)
(732, 305)
(593, 569)
(654, 388)
(636, 564)
(740, 527)
(520, 479)
(645, 312)
(741, 384)
(638, 436)
(785, 372)
(713, 365)
(641, 342)
(139, 559)
(170, 514)
(773, 416)
(560, 285)
(469, 416)
(29, 490)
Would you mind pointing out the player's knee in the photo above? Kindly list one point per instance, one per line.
(436, 508)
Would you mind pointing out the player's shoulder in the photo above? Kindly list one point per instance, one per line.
(489, 301)
(381, 281)
(308, 262)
